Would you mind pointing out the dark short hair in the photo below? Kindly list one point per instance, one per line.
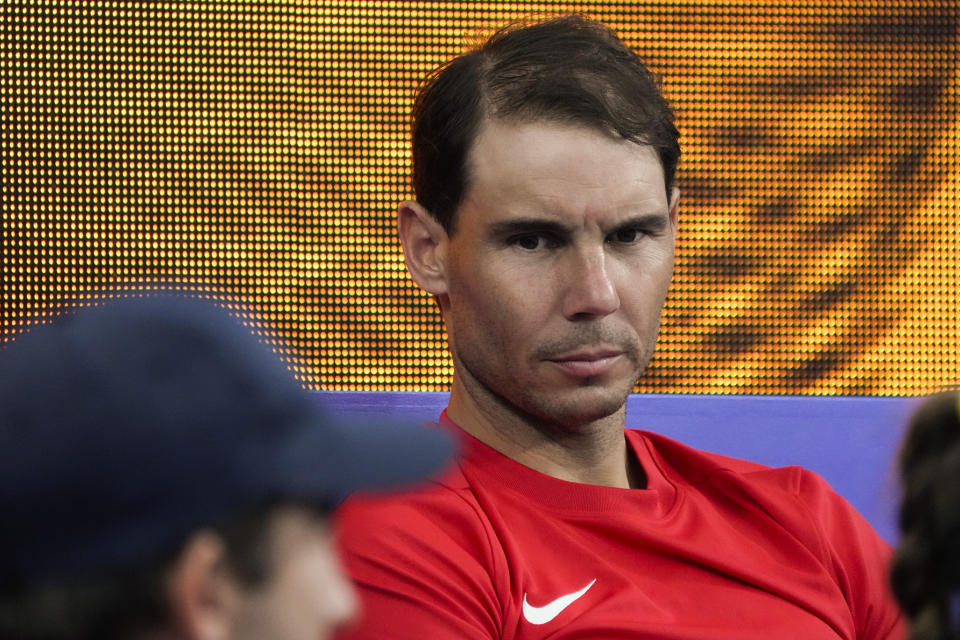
(925, 571)
(569, 70)
(120, 604)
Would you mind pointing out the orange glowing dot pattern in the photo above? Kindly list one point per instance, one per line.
(257, 150)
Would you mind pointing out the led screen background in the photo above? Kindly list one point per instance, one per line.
(258, 151)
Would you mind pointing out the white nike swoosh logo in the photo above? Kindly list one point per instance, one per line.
(546, 613)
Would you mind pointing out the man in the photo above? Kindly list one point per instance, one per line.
(164, 476)
(544, 226)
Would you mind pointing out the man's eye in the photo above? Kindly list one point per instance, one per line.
(627, 235)
(529, 242)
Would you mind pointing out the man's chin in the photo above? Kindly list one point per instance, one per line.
(581, 408)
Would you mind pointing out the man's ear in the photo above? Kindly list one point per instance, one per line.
(424, 243)
(203, 598)
(674, 207)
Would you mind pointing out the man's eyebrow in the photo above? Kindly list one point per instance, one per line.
(650, 221)
(528, 225)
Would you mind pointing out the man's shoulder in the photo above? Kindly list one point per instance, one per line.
(436, 538)
(443, 508)
(698, 465)
(792, 495)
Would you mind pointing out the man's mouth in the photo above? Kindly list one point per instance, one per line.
(588, 363)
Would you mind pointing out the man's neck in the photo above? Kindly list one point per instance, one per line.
(592, 453)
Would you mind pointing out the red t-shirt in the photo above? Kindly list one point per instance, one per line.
(713, 548)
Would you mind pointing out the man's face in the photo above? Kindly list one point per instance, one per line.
(306, 596)
(557, 270)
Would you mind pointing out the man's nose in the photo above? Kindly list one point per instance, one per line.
(589, 289)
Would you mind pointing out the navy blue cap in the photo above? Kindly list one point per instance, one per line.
(128, 424)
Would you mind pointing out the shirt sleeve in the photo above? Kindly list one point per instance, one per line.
(859, 558)
(415, 578)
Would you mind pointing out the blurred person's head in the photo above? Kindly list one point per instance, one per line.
(164, 475)
(926, 567)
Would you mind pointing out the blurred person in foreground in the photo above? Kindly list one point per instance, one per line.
(164, 475)
(926, 566)
(545, 227)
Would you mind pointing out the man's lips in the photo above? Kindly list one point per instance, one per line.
(587, 363)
